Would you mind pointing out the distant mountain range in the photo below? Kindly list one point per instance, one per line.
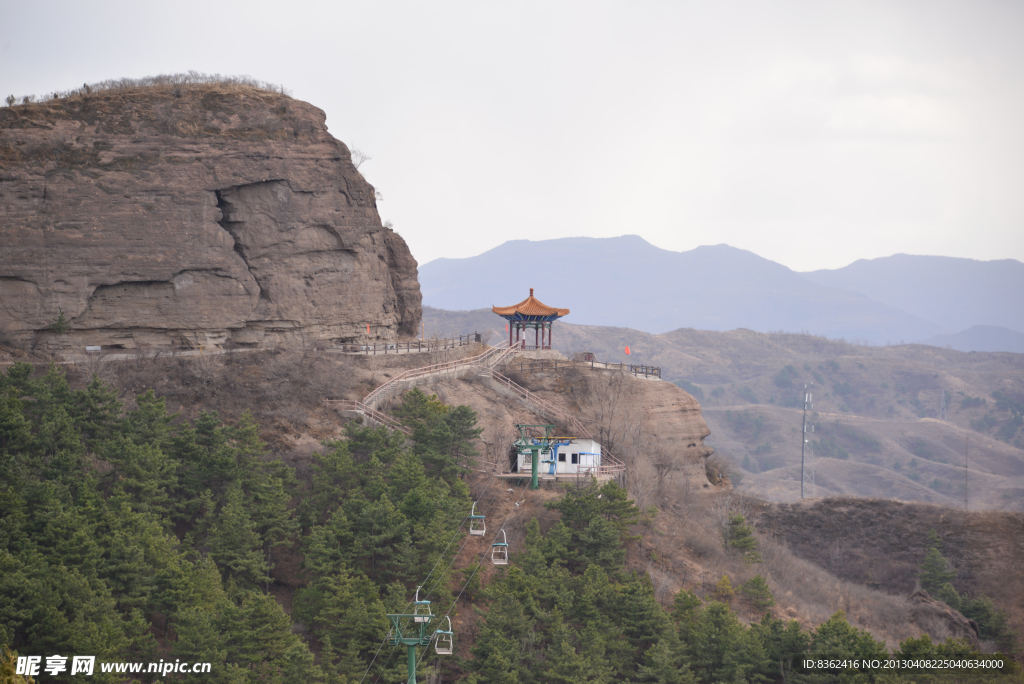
(953, 293)
(626, 281)
(981, 338)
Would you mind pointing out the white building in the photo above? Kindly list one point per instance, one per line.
(563, 458)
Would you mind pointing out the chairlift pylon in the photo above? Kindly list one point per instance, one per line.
(477, 524)
(443, 639)
(499, 550)
(421, 609)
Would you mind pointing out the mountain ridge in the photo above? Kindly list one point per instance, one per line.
(625, 281)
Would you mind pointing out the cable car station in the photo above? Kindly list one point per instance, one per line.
(539, 454)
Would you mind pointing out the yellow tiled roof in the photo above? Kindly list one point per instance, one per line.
(529, 307)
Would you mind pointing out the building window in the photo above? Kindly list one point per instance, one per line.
(575, 458)
(561, 458)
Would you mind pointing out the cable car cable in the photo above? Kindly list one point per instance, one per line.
(477, 569)
(486, 493)
(464, 586)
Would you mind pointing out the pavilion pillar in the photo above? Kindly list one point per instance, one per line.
(550, 325)
(510, 327)
(536, 336)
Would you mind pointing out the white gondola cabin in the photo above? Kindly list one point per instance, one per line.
(443, 639)
(421, 609)
(499, 550)
(477, 523)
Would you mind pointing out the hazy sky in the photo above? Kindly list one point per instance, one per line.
(811, 133)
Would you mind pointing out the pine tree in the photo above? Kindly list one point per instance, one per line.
(234, 543)
(498, 649)
(382, 533)
(836, 638)
(600, 543)
(663, 664)
(643, 621)
(720, 649)
(145, 473)
(271, 515)
(328, 547)
(757, 592)
(201, 638)
(150, 423)
(343, 610)
(205, 463)
(740, 535)
(934, 571)
(96, 410)
(948, 595)
(784, 644)
(334, 474)
(565, 665)
(15, 431)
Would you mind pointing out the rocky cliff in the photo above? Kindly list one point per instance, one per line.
(176, 217)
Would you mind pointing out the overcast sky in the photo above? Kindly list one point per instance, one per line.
(811, 133)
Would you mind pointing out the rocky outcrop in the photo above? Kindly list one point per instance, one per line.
(939, 620)
(199, 216)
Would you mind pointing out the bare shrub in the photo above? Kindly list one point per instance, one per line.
(93, 364)
(664, 460)
(610, 405)
(641, 481)
(721, 508)
(359, 157)
(175, 83)
(703, 542)
(717, 468)
(685, 490)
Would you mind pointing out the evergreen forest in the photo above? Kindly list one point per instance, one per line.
(132, 534)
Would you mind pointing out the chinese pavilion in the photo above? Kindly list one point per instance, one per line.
(530, 313)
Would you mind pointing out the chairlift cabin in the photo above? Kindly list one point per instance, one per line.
(421, 609)
(477, 524)
(499, 551)
(443, 639)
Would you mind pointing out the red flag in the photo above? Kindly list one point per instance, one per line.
(506, 327)
(367, 328)
(627, 350)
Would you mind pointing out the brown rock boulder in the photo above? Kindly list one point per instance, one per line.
(940, 621)
(196, 216)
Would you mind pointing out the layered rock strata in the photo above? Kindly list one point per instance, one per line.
(204, 216)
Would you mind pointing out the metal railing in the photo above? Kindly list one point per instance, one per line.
(371, 414)
(412, 347)
(389, 388)
(554, 364)
(610, 466)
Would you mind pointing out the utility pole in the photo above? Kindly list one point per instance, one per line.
(967, 445)
(806, 474)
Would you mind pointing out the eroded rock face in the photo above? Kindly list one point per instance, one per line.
(940, 621)
(221, 215)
